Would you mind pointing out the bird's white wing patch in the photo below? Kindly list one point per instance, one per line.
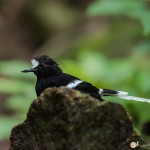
(74, 83)
(101, 91)
(122, 93)
(35, 63)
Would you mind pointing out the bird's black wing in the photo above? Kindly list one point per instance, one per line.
(55, 81)
(86, 87)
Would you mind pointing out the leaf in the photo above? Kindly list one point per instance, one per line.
(133, 9)
(15, 86)
(143, 82)
(12, 68)
(119, 71)
(145, 20)
(143, 112)
(19, 103)
(6, 125)
(94, 64)
(113, 7)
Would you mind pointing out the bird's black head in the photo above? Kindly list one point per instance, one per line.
(43, 66)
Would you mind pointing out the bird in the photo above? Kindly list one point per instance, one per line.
(49, 74)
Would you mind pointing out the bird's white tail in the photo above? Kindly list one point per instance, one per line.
(127, 97)
(123, 95)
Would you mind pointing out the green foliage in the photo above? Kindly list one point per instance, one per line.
(126, 74)
(126, 67)
(121, 74)
(6, 124)
(21, 91)
(9, 68)
(131, 8)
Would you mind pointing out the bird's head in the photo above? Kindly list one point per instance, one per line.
(43, 66)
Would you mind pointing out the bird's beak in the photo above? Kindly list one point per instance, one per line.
(28, 70)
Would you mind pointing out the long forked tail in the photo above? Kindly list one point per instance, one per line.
(121, 94)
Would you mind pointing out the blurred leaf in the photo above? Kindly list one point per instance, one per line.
(143, 81)
(143, 112)
(93, 64)
(71, 67)
(16, 86)
(53, 14)
(143, 16)
(6, 125)
(13, 68)
(119, 71)
(142, 48)
(133, 9)
(19, 103)
(114, 7)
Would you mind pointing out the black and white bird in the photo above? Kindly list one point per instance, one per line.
(49, 74)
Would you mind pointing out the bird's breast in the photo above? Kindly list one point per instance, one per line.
(43, 84)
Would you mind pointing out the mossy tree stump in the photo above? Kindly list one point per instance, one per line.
(65, 119)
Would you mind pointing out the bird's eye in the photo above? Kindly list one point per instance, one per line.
(41, 65)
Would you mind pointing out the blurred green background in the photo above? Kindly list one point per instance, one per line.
(105, 42)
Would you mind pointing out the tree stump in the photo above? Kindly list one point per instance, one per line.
(65, 119)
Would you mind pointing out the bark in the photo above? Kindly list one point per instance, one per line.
(65, 119)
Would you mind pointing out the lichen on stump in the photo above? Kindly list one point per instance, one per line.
(65, 119)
